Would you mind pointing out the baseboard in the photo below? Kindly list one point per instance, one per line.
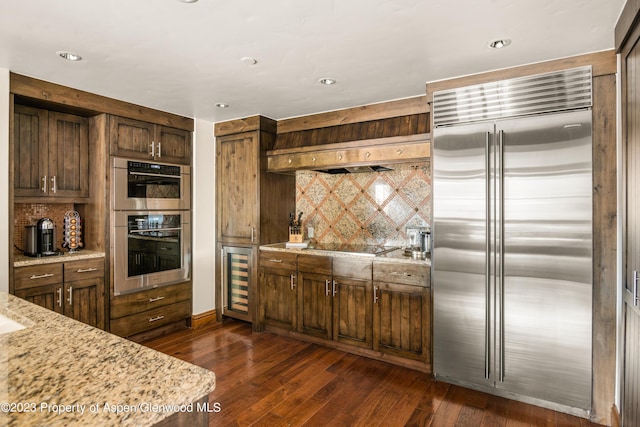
(615, 417)
(203, 319)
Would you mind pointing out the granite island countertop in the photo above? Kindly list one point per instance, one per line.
(396, 256)
(58, 363)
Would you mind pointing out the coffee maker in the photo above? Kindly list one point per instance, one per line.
(40, 240)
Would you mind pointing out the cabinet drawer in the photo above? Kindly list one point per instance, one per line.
(150, 319)
(276, 259)
(88, 269)
(37, 275)
(406, 274)
(315, 264)
(137, 302)
(352, 268)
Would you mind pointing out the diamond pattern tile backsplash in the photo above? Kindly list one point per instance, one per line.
(371, 208)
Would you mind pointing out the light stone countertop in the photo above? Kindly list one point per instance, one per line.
(20, 260)
(396, 256)
(56, 360)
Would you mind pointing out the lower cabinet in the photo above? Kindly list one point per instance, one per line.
(277, 294)
(379, 308)
(402, 311)
(142, 311)
(75, 289)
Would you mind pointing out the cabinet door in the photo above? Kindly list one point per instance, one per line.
(172, 145)
(237, 180)
(278, 297)
(30, 152)
(131, 138)
(314, 304)
(48, 296)
(402, 320)
(84, 301)
(352, 300)
(68, 170)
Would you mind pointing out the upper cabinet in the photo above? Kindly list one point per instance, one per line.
(147, 141)
(50, 154)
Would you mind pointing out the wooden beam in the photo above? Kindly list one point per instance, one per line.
(56, 94)
(603, 63)
(383, 110)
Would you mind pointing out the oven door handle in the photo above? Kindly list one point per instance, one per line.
(155, 174)
(146, 230)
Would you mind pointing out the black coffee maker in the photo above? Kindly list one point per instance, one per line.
(46, 237)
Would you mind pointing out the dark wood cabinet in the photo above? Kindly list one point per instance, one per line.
(402, 311)
(142, 311)
(277, 294)
(315, 296)
(252, 205)
(51, 154)
(238, 177)
(75, 289)
(147, 141)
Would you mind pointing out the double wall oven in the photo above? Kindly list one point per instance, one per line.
(152, 224)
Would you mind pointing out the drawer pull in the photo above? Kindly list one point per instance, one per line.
(164, 248)
(275, 260)
(59, 301)
(396, 273)
(41, 276)
(70, 299)
(155, 299)
(155, 319)
(86, 270)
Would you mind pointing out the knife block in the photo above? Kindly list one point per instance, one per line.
(295, 236)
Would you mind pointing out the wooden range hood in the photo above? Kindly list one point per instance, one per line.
(352, 156)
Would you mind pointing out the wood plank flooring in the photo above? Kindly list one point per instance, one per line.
(269, 380)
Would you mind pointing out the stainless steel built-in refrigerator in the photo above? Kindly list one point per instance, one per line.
(512, 238)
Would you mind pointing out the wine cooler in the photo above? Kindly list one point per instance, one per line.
(236, 279)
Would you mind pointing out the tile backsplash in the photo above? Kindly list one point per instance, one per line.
(30, 213)
(372, 208)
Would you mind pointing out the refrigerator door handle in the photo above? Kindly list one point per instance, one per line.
(487, 269)
(500, 242)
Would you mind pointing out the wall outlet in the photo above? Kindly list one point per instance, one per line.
(310, 232)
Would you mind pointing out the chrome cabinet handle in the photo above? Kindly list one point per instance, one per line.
(275, 260)
(334, 290)
(153, 149)
(54, 186)
(41, 276)
(86, 270)
(636, 297)
(44, 184)
(293, 281)
(155, 299)
(327, 285)
(159, 149)
(253, 234)
(70, 299)
(59, 301)
(155, 319)
(375, 294)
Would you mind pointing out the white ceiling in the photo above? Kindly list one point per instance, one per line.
(185, 58)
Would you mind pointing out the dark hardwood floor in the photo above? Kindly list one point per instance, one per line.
(269, 380)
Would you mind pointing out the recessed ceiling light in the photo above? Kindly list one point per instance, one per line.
(499, 44)
(69, 56)
(187, 1)
(222, 105)
(328, 81)
(247, 60)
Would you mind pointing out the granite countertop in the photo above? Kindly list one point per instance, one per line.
(396, 256)
(58, 364)
(20, 260)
